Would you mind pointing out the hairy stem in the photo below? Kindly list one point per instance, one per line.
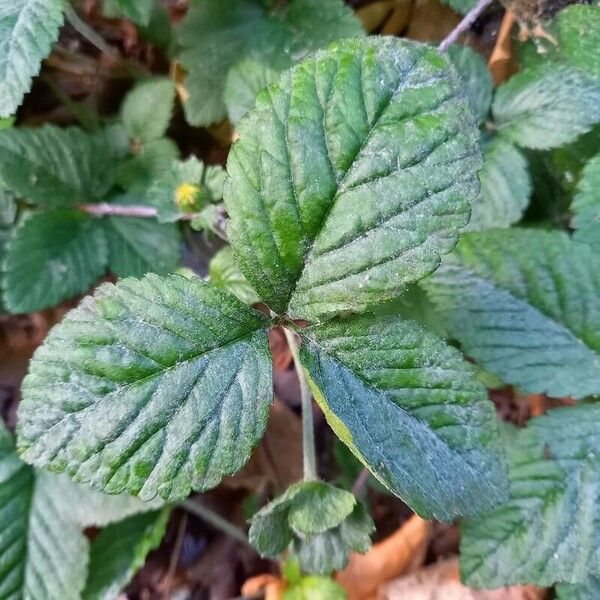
(465, 24)
(217, 521)
(308, 429)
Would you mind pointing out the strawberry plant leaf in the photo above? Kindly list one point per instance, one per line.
(410, 409)
(56, 167)
(139, 246)
(147, 109)
(505, 187)
(215, 36)
(52, 256)
(120, 550)
(588, 590)
(225, 274)
(547, 106)
(586, 204)
(138, 11)
(327, 196)
(524, 304)
(547, 531)
(154, 387)
(476, 78)
(28, 28)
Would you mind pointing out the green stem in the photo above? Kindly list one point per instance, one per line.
(217, 521)
(308, 433)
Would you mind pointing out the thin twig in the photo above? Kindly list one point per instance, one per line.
(308, 433)
(123, 210)
(465, 24)
(88, 33)
(217, 521)
(360, 481)
(174, 559)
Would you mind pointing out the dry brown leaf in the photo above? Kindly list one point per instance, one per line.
(271, 586)
(442, 582)
(373, 15)
(431, 21)
(400, 553)
(502, 63)
(398, 20)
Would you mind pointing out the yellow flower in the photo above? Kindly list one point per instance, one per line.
(186, 196)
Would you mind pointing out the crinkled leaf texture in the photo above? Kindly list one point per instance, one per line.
(154, 387)
(586, 204)
(410, 409)
(505, 188)
(43, 550)
(549, 530)
(588, 590)
(525, 304)
(351, 177)
(215, 36)
(547, 106)
(120, 550)
(28, 28)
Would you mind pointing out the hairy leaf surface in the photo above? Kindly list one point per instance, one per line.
(52, 256)
(588, 590)
(547, 106)
(549, 529)
(525, 304)
(215, 36)
(154, 386)
(586, 204)
(351, 177)
(411, 410)
(28, 28)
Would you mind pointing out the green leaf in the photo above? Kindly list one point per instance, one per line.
(548, 529)
(138, 11)
(525, 305)
(505, 188)
(120, 551)
(547, 106)
(351, 177)
(322, 523)
(410, 409)
(588, 590)
(476, 78)
(215, 36)
(148, 107)
(138, 246)
(461, 6)
(43, 551)
(154, 387)
(225, 274)
(586, 204)
(28, 28)
(244, 81)
(50, 257)
(314, 587)
(56, 167)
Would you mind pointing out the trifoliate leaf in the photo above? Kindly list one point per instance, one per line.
(43, 551)
(244, 81)
(215, 36)
(588, 590)
(547, 106)
(321, 522)
(154, 386)
(120, 550)
(476, 78)
(351, 177)
(28, 28)
(410, 409)
(137, 246)
(138, 11)
(147, 109)
(505, 188)
(547, 531)
(525, 305)
(187, 187)
(138, 173)
(56, 167)
(225, 273)
(586, 204)
(50, 257)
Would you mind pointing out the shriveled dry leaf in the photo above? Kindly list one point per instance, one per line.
(373, 15)
(431, 21)
(442, 582)
(271, 586)
(400, 553)
(398, 19)
(502, 62)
